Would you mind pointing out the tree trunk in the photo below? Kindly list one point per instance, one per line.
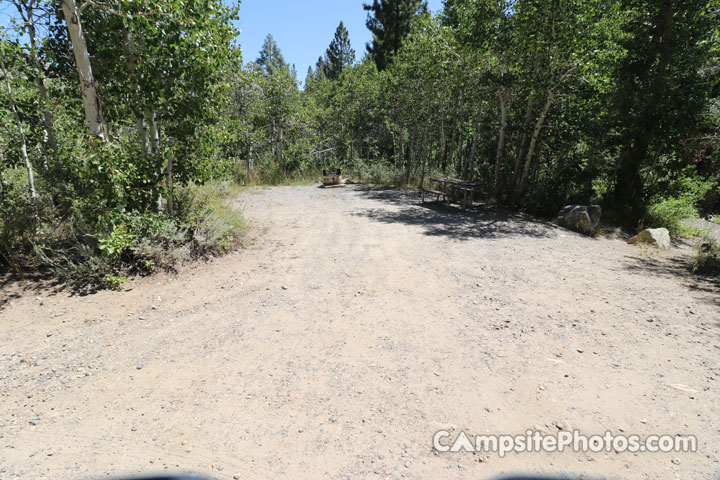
(281, 153)
(32, 193)
(27, 13)
(628, 192)
(50, 142)
(131, 58)
(154, 133)
(473, 147)
(410, 153)
(90, 98)
(533, 142)
(524, 139)
(501, 141)
(169, 184)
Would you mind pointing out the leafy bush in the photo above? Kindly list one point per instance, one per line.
(707, 259)
(669, 211)
(214, 226)
(17, 217)
(86, 250)
(379, 173)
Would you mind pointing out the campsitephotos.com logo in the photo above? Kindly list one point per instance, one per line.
(536, 441)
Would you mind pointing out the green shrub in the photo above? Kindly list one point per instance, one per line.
(669, 211)
(86, 250)
(214, 226)
(707, 259)
(17, 217)
(163, 247)
(114, 282)
(379, 173)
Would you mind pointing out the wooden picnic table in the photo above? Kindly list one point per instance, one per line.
(447, 184)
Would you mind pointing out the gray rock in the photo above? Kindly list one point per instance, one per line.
(580, 218)
(660, 237)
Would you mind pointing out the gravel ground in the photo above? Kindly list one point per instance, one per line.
(356, 325)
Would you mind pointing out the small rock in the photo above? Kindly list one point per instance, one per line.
(140, 366)
(408, 464)
(34, 421)
(675, 461)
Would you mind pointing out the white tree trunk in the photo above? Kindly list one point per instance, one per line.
(501, 140)
(48, 118)
(131, 57)
(26, 9)
(169, 180)
(533, 142)
(90, 98)
(32, 193)
(154, 133)
(523, 140)
(155, 149)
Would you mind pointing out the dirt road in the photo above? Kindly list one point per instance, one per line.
(357, 325)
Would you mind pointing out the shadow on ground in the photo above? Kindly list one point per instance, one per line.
(12, 286)
(439, 219)
(678, 266)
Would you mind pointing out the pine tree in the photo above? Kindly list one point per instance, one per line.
(390, 24)
(271, 58)
(338, 55)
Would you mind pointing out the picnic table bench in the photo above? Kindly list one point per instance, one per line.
(448, 188)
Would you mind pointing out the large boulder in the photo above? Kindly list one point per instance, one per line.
(659, 237)
(581, 218)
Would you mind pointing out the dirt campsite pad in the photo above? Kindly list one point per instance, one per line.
(354, 327)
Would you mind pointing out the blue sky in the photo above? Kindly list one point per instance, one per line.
(303, 29)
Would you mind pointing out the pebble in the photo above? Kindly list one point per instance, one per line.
(140, 366)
